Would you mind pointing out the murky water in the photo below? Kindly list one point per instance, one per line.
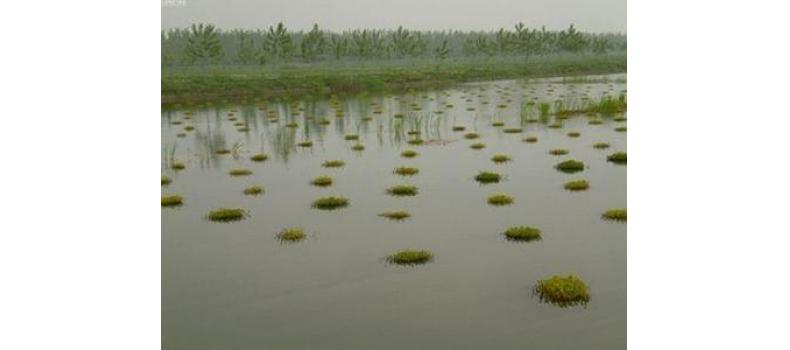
(235, 286)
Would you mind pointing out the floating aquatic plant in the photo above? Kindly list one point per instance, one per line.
(226, 214)
(459, 128)
(486, 177)
(322, 181)
(615, 215)
(498, 124)
(411, 257)
(471, 136)
(358, 147)
(396, 215)
(617, 158)
(177, 166)
(563, 291)
(403, 190)
(500, 158)
(477, 145)
(416, 141)
(333, 164)
(172, 201)
(620, 129)
(406, 171)
(166, 180)
(523, 233)
(253, 190)
(290, 235)
(291, 125)
(573, 134)
(240, 172)
(330, 203)
(577, 185)
(558, 152)
(260, 157)
(500, 199)
(351, 137)
(305, 144)
(531, 139)
(600, 145)
(222, 151)
(570, 166)
(513, 130)
(409, 153)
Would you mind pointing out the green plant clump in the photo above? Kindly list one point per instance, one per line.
(459, 128)
(477, 145)
(351, 137)
(416, 142)
(471, 136)
(577, 185)
(226, 214)
(322, 181)
(411, 257)
(333, 164)
(617, 158)
(330, 203)
(523, 233)
(406, 171)
(574, 134)
(290, 235)
(408, 153)
(240, 172)
(570, 166)
(486, 177)
(558, 152)
(305, 144)
(500, 158)
(166, 180)
(600, 145)
(621, 129)
(396, 215)
(563, 291)
(178, 166)
(531, 139)
(253, 190)
(172, 201)
(260, 157)
(500, 199)
(615, 215)
(513, 130)
(403, 190)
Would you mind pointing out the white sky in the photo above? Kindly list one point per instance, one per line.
(336, 15)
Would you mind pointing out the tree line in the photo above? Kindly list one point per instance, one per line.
(206, 44)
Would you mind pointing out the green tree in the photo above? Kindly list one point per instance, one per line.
(247, 53)
(313, 44)
(277, 43)
(203, 44)
(442, 51)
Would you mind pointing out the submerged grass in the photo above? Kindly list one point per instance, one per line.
(563, 291)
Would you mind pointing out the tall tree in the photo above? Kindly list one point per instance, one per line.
(203, 44)
(313, 44)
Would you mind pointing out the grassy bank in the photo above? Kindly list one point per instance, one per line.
(183, 86)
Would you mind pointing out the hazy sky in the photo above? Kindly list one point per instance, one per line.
(586, 15)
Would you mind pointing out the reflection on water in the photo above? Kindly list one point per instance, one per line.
(235, 286)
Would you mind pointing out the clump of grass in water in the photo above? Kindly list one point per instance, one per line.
(477, 145)
(577, 185)
(620, 129)
(558, 152)
(523, 234)
(358, 147)
(472, 136)
(260, 157)
(531, 139)
(406, 171)
(396, 215)
(486, 177)
(305, 144)
(222, 151)
(416, 142)
(402, 190)
(330, 203)
(574, 134)
(617, 158)
(619, 119)
(352, 137)
(413, 132)
(595, 122)
(498, 124)
(563, 291)
(227, 214)
(189, 128)
(570, 166)
(600, 145)
(615, 215)
(178, 166)
(500, 158)
(513, 130)
(411, 257)
(172, 201)
(333, 164)
(166, 180)
(500, 199)
(291, 125)
(459, 128)
(253, 190)
(557, 125)
(240, 172)
(290, 235)
(409, 153)
(322, 181)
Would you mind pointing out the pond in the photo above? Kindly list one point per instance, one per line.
(236, 285)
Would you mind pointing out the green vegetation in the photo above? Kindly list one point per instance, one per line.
(459, 128)
(351, 137)
(500, 199)
(500, 158)
(409, 153)
(177, 166)
(305, 144)
(290, 235)
(563, 291)
(172, 201)
(577, 185)
(253, 190)
(477, 145)
(322, 181)
(574, 134)
(558, 152)
(222, 151)
(522, 233)
(615, 215)
(487, 177)
(416, 141)
(531, 139)
(358, 147)
(513, 130)
(403, 190)
(621, 129)
(240, 172)
(411, 257)
(600, 145)
(498, 124)
(333, 164)
(166, 180)
(406, 171)
(396, 215)
(330, 203)
(471, 136)
(617, 158)
(227, 214)
(570, 166)
(260, 157)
